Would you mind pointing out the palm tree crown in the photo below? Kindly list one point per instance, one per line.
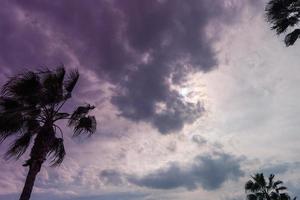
(30, 105)
(259, 189)
(284, 15)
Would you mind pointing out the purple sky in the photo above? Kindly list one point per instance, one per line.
(192, 96)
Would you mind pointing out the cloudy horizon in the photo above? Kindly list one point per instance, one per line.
(192, 97)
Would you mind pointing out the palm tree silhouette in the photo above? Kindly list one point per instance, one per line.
(284, 15)
(30, 106)
(259, 189)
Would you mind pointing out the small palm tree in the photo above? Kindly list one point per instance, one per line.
(30, 106)
(284, 15)
(259, 189)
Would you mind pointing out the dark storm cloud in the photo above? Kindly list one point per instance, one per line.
(142, 47)
(172, 34)
(22, 44)
(209, 172)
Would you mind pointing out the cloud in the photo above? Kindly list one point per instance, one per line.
(280, 168)
(107, 196)
(207, 171)
(172, 35)
(294, 189)
(199, 140)
(24, 43)
(12, 176)
(111, 177)
(140, 47)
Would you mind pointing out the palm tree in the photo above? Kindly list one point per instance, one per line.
(259, 189)
(284, 15)
(30, 106)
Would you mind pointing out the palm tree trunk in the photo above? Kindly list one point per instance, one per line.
(34, 169)
(38, 155)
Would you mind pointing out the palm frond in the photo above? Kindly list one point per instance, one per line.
(30, 100)
(281, 188)
(25, 87)
(261, 195)
(262, 180)
(10, 123)
(19, 146)
(85, 125)
(15, 117)
(71, 81)
(53, 86)
(285, 196)
(271, 177)
(258, 189)
(249, 185)
(291, 38)
(259, 179)
(59, 116)
(274, 195)
(13, 105)
(82, 123)
(276, 183)
(283, 14)
(8, 104)
(80, 112)
(57, 152)
(251, 197)
(32, 125)
(60, 74)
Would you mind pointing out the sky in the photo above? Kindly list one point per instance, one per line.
(192, 97)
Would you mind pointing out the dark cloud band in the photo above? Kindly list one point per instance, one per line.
(141, 47)
(206, 171)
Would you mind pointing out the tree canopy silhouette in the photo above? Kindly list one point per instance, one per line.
(284, 16)
(30, 106)
(257, 188)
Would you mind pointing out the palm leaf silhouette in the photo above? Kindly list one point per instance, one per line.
(30, 105)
